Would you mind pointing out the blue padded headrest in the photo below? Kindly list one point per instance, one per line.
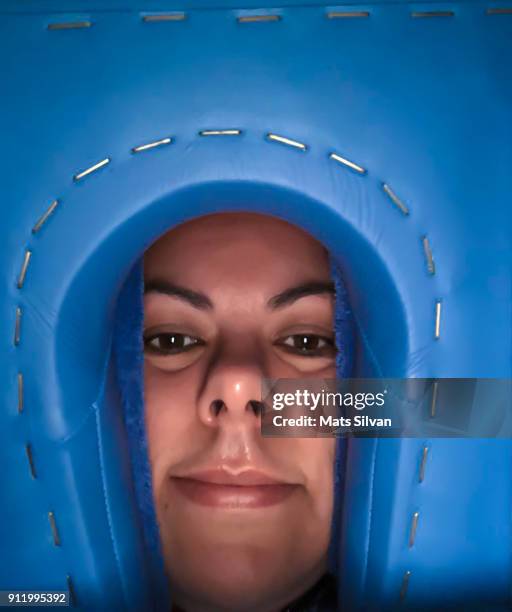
(384, 130)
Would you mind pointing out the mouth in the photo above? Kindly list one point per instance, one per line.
(222, 489)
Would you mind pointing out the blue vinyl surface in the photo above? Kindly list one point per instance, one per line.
(422, 104)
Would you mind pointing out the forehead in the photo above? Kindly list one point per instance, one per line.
(243, 247)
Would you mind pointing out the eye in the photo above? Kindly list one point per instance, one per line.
(308, 345)
(171, 343)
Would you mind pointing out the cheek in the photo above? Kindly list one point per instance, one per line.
(170, 414)
(311, 522)
(319, 471)
(313, 459)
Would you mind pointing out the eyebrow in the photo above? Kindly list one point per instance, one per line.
(287, 297)
(194, 298)
(203, 302)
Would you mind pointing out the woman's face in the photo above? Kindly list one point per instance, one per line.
(244, 519)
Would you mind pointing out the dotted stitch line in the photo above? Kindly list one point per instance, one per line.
(271, 17)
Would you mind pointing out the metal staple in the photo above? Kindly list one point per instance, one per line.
(254, 18)
(414, 527)
(24, 267)
(431, 268)
(405, 585)
(20, 392)
(499, 11)
(45, 216)
(30, 458)
(433, 402)
(347, 14)
(419, 14)
(423, 464)
(166, 17)
(69, 25)
(437, 332)
(71, 589)
(91, 169)
(287, 141)
(53, 525)
(152, 145)
(17, 327)
(348, 163)
(395, 199)
(220, 132)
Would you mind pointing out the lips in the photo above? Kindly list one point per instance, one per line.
(224, 489)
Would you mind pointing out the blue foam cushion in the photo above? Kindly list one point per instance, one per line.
(421, 105)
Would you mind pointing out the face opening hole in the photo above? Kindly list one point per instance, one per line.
(231, 299)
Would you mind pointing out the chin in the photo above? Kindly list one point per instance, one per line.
(234, 579)
(225, 598)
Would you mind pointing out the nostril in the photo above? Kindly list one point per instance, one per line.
(256, 407)
(216, 407)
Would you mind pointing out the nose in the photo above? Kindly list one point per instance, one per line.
(232, 395)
